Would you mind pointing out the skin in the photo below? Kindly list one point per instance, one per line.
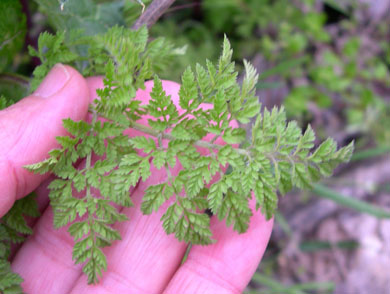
(146, 260)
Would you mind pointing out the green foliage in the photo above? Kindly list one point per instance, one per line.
(13, 229)
(12, 35)
(4, 102)
(317, 66)
(90, 16)
(270, 285)
(9, 281)
(12, 31)
(60, 52)
(13, 86)
(76, 49)
(275, 158)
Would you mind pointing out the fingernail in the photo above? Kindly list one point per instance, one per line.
(54, 81)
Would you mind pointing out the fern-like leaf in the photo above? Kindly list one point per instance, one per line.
(274, 157)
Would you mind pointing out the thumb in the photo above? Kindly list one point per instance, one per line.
(29, 127)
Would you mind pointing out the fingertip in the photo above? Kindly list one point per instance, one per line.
(64, 92)
(73, 99)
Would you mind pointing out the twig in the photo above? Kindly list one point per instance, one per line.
(152, 13)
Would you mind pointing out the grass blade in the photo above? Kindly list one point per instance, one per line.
(356, 204)
(373, 152)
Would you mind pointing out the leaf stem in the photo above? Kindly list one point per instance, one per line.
(89, 197)
(198, 143)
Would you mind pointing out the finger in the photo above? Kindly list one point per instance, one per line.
(29, 127)
(226, 266)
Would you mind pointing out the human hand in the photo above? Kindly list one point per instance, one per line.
(146, 260)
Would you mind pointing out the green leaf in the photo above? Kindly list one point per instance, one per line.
(227, 52)
(78, 129)
(236, 211)
(154, 198)
(94, 266)
(14, 218)
(307, 140)
(250, 109)
(215, 196)
(324, 150)
(105, 231)
(270, 202)
(144, 168)
(234, 136)
(259, 194)
(203, 80)
(188, 91)
(144, 143)
(10, 282)
(301, 177)
(179, 132)
(43, 166)
(161, 106)
(170, 218)
(79, 229)
(130, 159)
(249, 82)
(104, 166)
(159, 158)
(51, 50)
(194, 184)
(344, 154)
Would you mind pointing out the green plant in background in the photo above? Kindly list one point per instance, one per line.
(277, 29)
(12, 34)
(92, 17)
(271, 286)
(293, 37)
(13, 229)
(352, 75)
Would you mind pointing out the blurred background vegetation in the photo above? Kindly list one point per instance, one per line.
(327, 62)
